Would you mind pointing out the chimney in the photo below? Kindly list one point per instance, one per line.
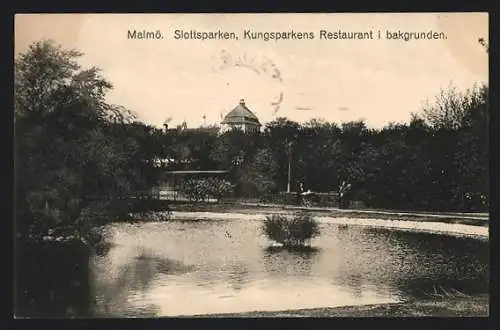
(242, 102)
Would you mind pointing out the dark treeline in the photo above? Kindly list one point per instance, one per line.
(437, 162)
(76, 154)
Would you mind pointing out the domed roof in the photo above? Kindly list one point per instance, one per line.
(241, 115)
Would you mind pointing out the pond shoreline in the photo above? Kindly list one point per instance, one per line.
(470, 306)
(480, 219)
(398, 223)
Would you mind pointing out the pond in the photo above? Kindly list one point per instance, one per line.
(203, 267)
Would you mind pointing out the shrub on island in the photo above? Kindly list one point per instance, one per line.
(291, 232)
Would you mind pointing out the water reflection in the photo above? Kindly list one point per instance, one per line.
(449, 264)
(239, 276)
(132, 279)
(52, 280)
(355, 284)
(279, 261)
(360, 261)
(197, 267)
(239, 272)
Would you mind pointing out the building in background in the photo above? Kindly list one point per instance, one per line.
(241, 118)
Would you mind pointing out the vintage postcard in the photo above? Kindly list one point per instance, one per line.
(216, 165)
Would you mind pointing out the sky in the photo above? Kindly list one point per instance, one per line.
(379, 81)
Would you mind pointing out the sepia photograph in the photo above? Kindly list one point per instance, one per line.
(251, 165)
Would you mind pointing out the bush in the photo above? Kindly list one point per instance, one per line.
(219, 188)
(191, 188)
(151, 216)
(202, 189)
(291, 232)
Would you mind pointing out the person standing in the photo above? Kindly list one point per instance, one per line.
(343, 190)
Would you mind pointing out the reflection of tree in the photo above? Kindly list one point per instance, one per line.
(446, 263)
(409, 263)
(284, 262)
(52, 280)
(421, 263)
(135, 277)
(422, 287)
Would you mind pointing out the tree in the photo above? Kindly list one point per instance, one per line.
(231, 149)
(74, 155)
(318, 150)
(471, 153)
(451, 108)
(257, 177)
(281, 137)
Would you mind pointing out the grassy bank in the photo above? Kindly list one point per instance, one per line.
(480, 219)
(475, 306)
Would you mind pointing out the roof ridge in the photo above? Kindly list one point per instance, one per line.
(241, 111)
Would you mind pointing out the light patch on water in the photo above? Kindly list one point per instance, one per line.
(423, 226)
(268, 295)
(432, 227)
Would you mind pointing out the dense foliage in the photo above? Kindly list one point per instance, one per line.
(76, 156)
(291, 231)
(203, 189)
(437, 162)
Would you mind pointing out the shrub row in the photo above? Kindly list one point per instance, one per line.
(203, 189)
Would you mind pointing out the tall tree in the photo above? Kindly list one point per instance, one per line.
(73, 153)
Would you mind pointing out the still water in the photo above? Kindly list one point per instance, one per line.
(202, 267)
